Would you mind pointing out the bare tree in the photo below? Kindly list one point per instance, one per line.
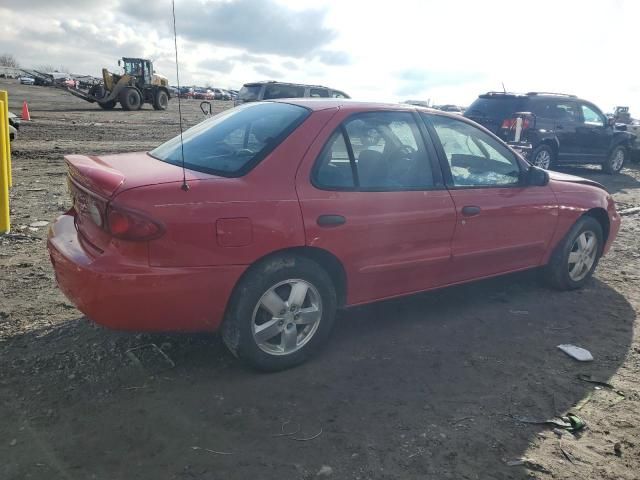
(8, 60)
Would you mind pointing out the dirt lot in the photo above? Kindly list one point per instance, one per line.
(429, 387)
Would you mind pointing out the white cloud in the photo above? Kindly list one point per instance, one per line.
(447, 51)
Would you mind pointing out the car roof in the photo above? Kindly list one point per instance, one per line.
(527, 95)
(274, 82)
(316, 104)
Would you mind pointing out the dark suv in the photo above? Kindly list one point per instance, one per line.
(558, 128)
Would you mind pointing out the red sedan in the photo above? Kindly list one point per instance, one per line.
(292, 209)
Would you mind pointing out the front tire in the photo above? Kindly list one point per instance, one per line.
(161, 100)
(281, 312)
(576, 257)
(616, 160)
(130, 99)
(543, 157)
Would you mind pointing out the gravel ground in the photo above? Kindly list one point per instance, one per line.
(428, 387)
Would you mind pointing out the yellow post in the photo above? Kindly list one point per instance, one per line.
(4, 171)
(4, 97)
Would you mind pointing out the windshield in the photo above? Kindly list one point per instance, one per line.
(249, 93)
(232, 142)
(495, 107)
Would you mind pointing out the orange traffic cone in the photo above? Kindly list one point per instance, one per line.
(25, 111)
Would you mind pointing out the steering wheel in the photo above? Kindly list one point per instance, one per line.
(404, 152)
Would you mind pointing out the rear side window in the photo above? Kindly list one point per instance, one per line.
(231, 143)
(319, 92)
(249, 93)
(497, 107)
(283, 91)
(557, 110)
(380, 151)
(338, 94)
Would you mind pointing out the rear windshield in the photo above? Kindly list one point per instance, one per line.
(495, 107)
(234, 141)
(249, 93)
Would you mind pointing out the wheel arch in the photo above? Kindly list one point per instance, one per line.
(600, 214)
(550, 142)
(325, 260)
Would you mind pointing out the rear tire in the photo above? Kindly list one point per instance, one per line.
(280, 313)
(130, 99)
(161, 100)
(616, 160)
(543, 157)
(108, 105)
(575, 258)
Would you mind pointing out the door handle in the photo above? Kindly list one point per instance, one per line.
(470, 211)
(559, 127)
(331, 220)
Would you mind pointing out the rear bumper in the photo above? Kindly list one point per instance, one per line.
(137, 297)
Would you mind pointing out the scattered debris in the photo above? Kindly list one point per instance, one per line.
(325, 471)
(519, 312)
(629, 211)
(13, 442)
(212, 451)
(309, 438)
(570, 422)
(566, 455)
(579, 353)
(287, 434)
(527, 462)
(40, 223)
(617, 449)
(134, 358)
(590, 379)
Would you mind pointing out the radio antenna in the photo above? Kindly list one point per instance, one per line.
(503, 89)
(185, 185)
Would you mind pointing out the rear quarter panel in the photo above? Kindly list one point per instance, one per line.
(230, 221)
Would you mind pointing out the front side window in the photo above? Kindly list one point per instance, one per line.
(475, 158)
(591, 117)
(230, 143)
(375, 151)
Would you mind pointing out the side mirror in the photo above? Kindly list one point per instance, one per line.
(612, 121)
(537, 177)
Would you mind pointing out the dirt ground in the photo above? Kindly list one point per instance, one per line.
(433, 386)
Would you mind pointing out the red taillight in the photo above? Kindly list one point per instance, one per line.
(510, 123)
(129, 225)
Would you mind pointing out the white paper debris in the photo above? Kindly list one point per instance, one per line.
(578, 353)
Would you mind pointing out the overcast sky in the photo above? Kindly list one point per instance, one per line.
(447, 51)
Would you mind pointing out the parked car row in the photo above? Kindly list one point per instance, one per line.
(205, 93)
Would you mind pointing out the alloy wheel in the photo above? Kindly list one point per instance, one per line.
(543, 159)
(582, 255)
(286, 317)
(617, 160)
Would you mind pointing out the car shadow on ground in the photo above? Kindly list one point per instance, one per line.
(422, 387)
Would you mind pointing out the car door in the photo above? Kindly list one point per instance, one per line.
(594, 132)
(502, 224)
(371, 193)
(564, 122)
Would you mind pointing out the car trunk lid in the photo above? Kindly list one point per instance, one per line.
(108, 175)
